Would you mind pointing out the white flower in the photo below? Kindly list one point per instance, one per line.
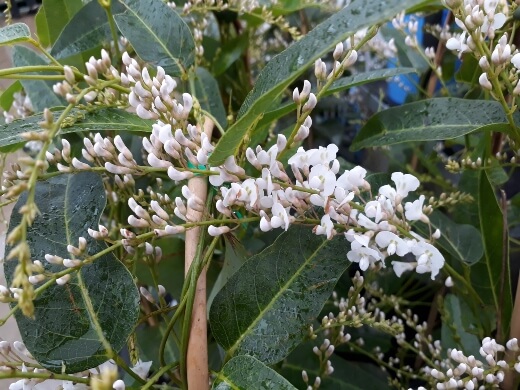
(414, 210)
(404, 183)
(280, 216)
(323, 179)
(360, 252)
(142, 368)
(326, 227)
(484, 82)
(458, 43)
(352, 179)
(249, 192)
(393, 243)
(515, 60)
(400, 267)
(429, 259)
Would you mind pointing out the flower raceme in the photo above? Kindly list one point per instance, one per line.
(377, 225)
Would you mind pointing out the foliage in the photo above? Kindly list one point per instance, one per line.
(232, 195)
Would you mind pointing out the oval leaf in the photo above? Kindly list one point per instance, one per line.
(247, 373)
(63, 334)
(40, 91)
(430, 120)
(463, 242)
(265, 308)
(286, 67)
(158, 34)
(14, 33)
(97, 120)
(87, 29)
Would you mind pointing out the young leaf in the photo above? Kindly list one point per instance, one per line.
(97, 120)
(207, 92)
(247, 373)
(52, 17)
(265, 308)
(7, 96)
(40, 91)
(158, 34)
(87, 29)
(429, 120)
(14, 33)
(286, 67)
(100, 299)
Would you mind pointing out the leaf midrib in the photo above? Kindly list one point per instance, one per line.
(275, 298)
(177, 63)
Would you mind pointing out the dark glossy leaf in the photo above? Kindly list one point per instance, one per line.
(7, 96)
(158, 34)
(489, 275)
(98, 120)
(14, 33)
(265, 308)
(208, 94)
(63, 334)
(457, 322)
(342, 84)
(286, 67)
(347, 375)
(234, 258)
(463, 242)
(429, 120)
(229, 53)
(87, 29)
(52, 17)
(247, 373)
(39, 91)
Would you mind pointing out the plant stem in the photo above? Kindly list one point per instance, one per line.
(108, 9)
(197, 374)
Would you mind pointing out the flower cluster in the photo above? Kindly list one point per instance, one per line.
(470, 372)
(376, 226)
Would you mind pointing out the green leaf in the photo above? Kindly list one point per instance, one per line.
(158, 34)
(229, 53)
(99, 120)
(52, 17)
(265, 308)
(64, 334)
(7, 96)
(207, 92)
(40, 91)
(14, 33)
(457, 321)
(429, 120)
(87, 29)
(247, 373)
(489, 275)
(463, 242)
(339, 85)
(286, 67)
(234, 257)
